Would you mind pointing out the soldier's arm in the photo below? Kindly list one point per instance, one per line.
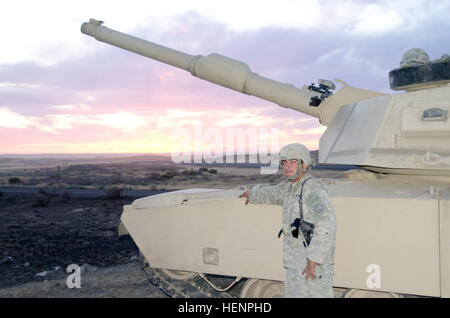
(267, 195)
(324, 235)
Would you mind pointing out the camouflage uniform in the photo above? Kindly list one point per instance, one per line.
(317, 209)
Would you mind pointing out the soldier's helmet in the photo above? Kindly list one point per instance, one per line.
(295, 151)
(414, 57)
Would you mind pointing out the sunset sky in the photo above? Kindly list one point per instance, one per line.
(64, 92)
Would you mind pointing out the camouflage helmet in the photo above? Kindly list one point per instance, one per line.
(295, 151)
(414, 57)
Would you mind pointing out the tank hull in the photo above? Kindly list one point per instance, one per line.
(392, 234)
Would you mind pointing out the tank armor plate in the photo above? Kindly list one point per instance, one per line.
(416, 76)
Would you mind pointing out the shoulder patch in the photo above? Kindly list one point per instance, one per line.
(316, 203)
(318, 208)
(312, 199)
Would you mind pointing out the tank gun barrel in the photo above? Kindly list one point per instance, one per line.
(214, 68)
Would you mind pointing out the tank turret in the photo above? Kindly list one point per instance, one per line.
(402, 133)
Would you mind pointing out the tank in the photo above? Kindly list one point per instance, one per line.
(393, 214)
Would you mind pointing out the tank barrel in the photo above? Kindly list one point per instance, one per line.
(214, 68)
(136, 45)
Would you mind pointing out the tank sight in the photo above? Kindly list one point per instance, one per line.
(324, 90)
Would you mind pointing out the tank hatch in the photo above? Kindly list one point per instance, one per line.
(417, 71)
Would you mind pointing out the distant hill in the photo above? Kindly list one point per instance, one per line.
(48, 160)
(314, 155)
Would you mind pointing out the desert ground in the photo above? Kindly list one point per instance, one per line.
(42, 234)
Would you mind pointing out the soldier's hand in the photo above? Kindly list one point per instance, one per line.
(309, 269)
(245, 195)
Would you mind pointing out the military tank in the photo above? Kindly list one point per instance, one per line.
(393, 214)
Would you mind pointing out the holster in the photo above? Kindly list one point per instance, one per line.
(300, 224)
(306, 228)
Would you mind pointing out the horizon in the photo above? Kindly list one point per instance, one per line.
(111, 154)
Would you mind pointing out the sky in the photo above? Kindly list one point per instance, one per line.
(64, 92)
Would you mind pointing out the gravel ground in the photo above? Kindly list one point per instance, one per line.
(36, 239)
(123, 281)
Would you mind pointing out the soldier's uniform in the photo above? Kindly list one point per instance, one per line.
(318, 210)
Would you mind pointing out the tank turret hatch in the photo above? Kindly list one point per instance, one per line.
(416, 71)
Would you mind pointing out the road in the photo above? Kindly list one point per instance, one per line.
(76, 193)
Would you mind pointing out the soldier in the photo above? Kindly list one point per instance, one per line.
(308, 263)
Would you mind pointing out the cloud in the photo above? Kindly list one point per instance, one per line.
(10, 119)
(73, 107)
(300, 121)
(177, 117)
(110, 146)
(242, 117)
(309, 131)
(327, 56)
(24, 85)
(124, 121)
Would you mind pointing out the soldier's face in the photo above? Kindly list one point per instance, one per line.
(290, 167)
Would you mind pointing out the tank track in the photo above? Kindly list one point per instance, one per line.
(194, 287)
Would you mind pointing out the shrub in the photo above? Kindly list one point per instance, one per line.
(114, 194)
(65, 197)
(190, 172)
(213, 171)
(166, 176)
(41, 199)
(55, 177)
(14, 180)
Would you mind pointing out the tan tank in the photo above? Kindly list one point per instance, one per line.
(393, 216)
